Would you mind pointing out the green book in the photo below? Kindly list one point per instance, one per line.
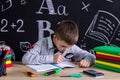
(108, 49)
(8, 55)
(107, 67)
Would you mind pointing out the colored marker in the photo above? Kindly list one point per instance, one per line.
(29, 73)
(51, 72)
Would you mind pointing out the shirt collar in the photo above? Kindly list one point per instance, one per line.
(50, 43)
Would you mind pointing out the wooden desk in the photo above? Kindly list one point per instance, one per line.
(17, 72)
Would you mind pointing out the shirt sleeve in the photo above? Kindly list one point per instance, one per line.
(37, 55)
(83, 54)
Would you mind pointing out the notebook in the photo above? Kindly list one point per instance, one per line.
(44, 67)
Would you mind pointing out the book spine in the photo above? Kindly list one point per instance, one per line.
(108, 49)
(8, 62)
(9, 65)
(8, 55)
(107, 60)
(107, 67)
(108, 64)
(107, 54)
(107, 57)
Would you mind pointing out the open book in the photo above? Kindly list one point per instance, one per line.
(44, 67)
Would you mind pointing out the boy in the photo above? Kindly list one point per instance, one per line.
(54, 48)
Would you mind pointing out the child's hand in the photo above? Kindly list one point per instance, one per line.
(4, 47)
(58, 58)
(84, 63)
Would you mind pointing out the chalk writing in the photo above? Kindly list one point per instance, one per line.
(2, 42)
(110, 1)
(42, 28)
(85, 6)
(6, 4)
(51, 8)
(4, 25)
(23, 2)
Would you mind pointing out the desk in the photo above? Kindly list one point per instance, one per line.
(17, 72)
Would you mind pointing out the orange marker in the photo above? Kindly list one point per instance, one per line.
(29, 73)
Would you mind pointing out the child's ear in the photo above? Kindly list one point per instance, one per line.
(55, 37)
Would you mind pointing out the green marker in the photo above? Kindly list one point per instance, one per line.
(51, 72)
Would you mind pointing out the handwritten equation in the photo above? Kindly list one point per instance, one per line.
(18, 25)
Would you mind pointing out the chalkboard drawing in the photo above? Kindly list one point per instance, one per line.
(6, 4)
(105, 27)
(23, 2)
(2, 42)
(110, 1)
(24, 46)
(85, 6)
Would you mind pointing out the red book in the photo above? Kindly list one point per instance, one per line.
(9, 65)
(108, 57)
(9, 52)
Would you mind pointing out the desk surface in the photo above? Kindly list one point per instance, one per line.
(17, 72)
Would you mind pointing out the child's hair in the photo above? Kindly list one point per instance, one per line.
(67, 30)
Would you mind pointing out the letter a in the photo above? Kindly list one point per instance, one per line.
(50, 7)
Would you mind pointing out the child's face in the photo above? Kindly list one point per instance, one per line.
(61, 45)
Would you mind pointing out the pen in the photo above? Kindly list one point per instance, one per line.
(51, 72)
(73, 75)
(29, 73)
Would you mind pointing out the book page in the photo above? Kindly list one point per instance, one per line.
(42, 67)
(66, 64)
(45, 67)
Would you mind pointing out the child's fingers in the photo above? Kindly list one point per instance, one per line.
(84, 63)
(60, 58)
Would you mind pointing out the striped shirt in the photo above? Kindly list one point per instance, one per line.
(43, 52)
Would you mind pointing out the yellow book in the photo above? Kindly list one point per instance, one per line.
(102, 53)
(8, 62)
(108, 63)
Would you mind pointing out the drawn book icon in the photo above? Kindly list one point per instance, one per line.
(105, 28)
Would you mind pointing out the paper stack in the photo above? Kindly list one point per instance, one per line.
(108, 57)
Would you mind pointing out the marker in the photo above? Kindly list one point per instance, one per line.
(51, 72)
(29, 73)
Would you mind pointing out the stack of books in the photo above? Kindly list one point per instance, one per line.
(108, 57)
(9, 59)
